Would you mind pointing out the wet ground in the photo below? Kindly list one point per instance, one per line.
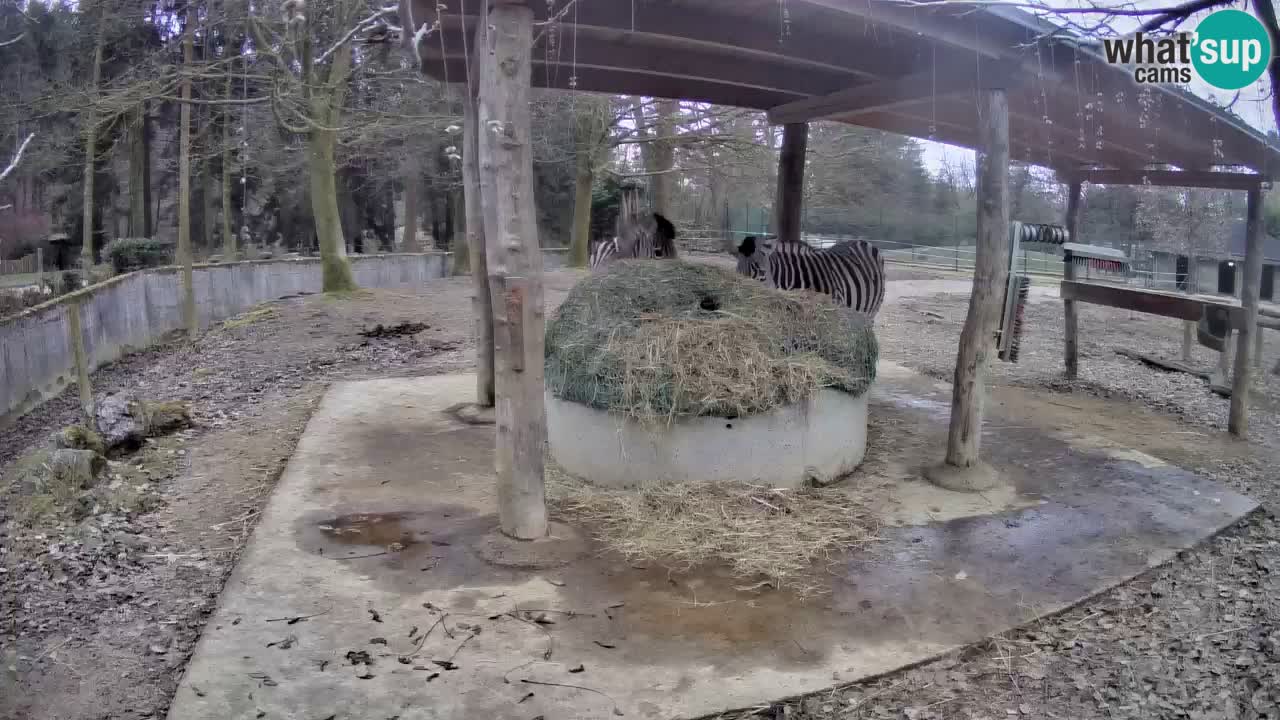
(374, 546)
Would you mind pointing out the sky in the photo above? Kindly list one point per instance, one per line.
(1253, 106)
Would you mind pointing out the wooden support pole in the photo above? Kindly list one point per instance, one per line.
(514, 266)
(1070, 346)
(75, 336)
(481, 300)
(1238, 419)
(790, 197)
(962, 469)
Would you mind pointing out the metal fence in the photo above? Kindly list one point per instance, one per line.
(1138, 272)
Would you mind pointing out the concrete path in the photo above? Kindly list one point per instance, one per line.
(362, 596)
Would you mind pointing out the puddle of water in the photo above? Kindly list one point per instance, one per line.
(372, 529)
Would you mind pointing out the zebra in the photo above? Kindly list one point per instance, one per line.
(851, 272)
(654, 239)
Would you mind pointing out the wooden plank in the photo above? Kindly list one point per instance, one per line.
(481, 300)
(1163, 363)
(871, 97)
(1238, 419)
(1171, 178)
(1180, 307)
(977, 339)
(790, 191)
(1071, 352)
(514, 266)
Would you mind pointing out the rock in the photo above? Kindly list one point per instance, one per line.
(162, 418)
(125, 421)
(78, 437)
(72, 470)
(119, 428)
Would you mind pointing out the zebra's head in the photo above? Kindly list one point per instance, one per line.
(753, 256)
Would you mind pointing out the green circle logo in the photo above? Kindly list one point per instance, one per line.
(1232, 49)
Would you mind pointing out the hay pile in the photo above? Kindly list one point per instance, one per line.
(657, 340)
(768, 538)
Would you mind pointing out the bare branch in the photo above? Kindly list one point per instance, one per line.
(363, 26)
(17, 158)
(11, 41)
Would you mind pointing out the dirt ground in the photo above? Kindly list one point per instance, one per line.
(98, 618)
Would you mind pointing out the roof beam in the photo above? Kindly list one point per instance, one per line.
(1171, 178)
(613, 81)
(913, 22)
(632, 54)
(890, 93)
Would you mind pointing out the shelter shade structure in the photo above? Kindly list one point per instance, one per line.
(920, 70)
(910, 69)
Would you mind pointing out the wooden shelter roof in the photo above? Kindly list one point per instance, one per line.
(907, 69)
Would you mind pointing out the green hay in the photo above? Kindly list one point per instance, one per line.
(639, 340)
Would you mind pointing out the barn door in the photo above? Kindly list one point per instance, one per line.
(1181, 271)
(1227, 277)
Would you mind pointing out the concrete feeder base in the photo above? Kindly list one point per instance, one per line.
(818, 441)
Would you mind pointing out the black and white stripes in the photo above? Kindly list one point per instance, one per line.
(851, 272)
(654, 239)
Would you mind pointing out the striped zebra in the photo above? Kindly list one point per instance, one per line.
(654, 239)
(851, 272)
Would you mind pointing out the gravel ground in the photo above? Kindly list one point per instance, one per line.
(98, 618)
(1196, 639)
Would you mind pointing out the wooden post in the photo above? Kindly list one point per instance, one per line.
(790, 191)
(1238, 420)
(514, 266)
(1070, 346)
(962, 469)
(481, 300)
(75, 336)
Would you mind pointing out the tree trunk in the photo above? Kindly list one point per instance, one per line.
(458, 246)
(515, 269)
(990, 276)
(663, 184)
(184, 185)
(326, 107)
(790, 192)
(324, 207)
(149, 222)
(475, 188)
(1241, 381)
(412, 191)
(581, 232)
(137, 181)
(228, 234)
(446, 239)
(87, 254)
(207, 205)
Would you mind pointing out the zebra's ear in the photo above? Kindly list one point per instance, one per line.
(748, 246)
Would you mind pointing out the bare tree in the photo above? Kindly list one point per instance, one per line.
(17, 157)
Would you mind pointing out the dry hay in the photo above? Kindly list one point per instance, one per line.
(767, 537)
(654, 340)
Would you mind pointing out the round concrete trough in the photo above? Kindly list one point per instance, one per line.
(822, 439)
